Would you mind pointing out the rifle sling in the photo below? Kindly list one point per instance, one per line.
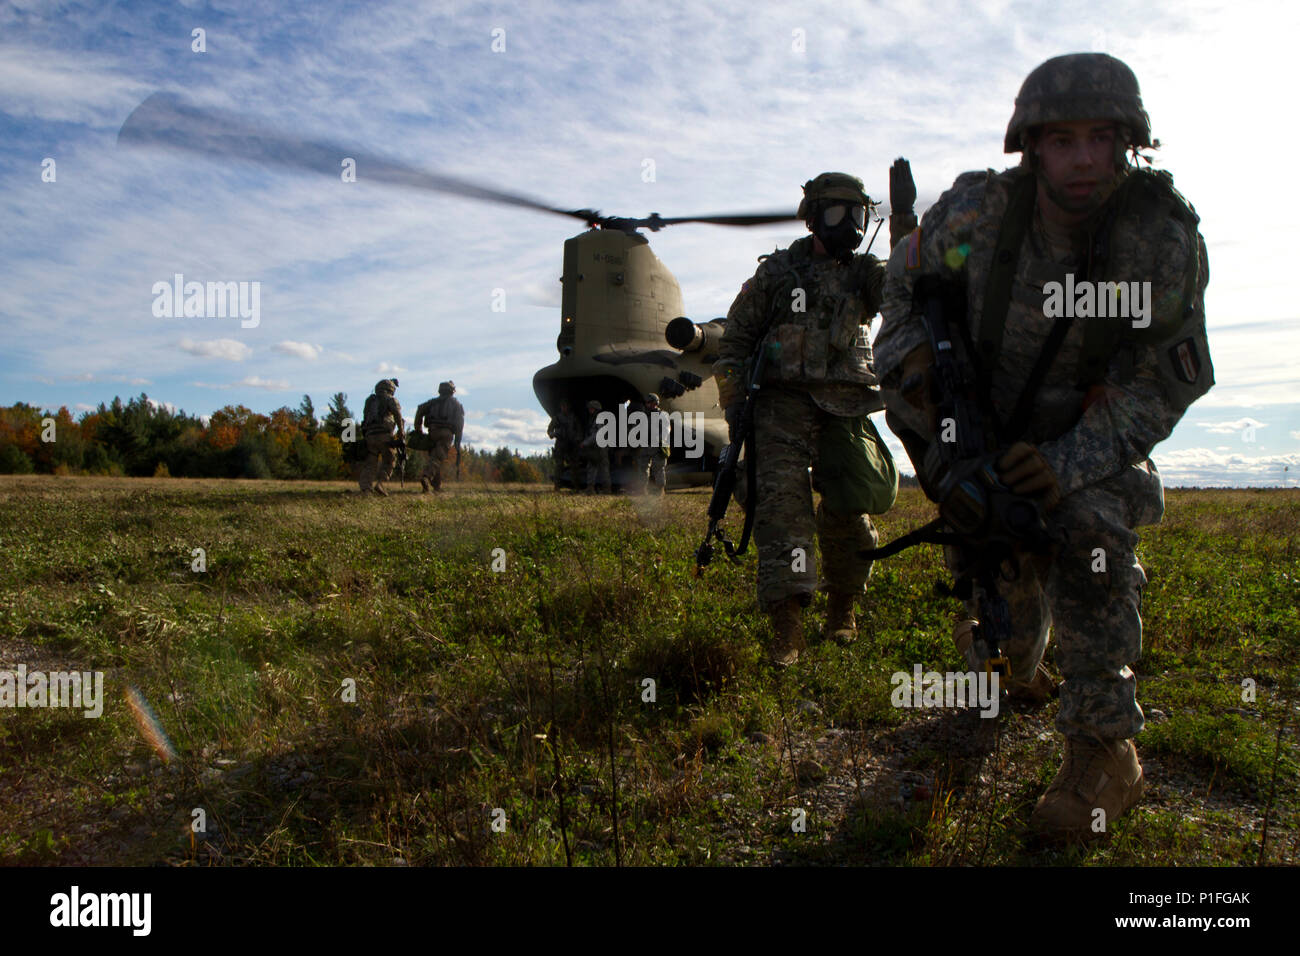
(751, 491)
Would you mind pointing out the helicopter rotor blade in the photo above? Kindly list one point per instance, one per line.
(167, 122)
(739, 219)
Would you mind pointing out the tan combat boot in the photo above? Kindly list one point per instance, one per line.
(424, 485)
(787, 632)
(1096, 775)
(379, 490)
(841, 625)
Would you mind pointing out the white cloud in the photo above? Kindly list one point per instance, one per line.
(301, 349)
(1212, 468)
(511, 427)
(156, 405)
(1233, 427)
(388, 368)
(228, 349)
(251, 381)
(83, 407)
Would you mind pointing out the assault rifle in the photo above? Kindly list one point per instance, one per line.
(986, 523)
(982, 518)
(724, 482)
(400, 444)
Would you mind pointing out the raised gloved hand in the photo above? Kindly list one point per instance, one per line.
(1026, 472)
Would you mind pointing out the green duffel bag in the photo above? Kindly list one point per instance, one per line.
(855, 472)
(419, 441)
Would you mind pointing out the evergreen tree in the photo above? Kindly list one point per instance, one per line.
(338, 412)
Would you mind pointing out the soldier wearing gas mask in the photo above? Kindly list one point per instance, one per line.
(810, 307)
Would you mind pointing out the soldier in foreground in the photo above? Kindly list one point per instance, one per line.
(597, 458)
(651, 461)
(444, 417)
(567, 432)
(1074, 402)
(381, 427)
(814, 302)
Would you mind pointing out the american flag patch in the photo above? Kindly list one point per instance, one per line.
(1187, 362)
(913, 259)
(744, 287)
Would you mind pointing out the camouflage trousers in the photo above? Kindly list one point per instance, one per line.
(597, 460)
(378, 465)
(787, 426)
(649, 470)
(1088, 590)
(440, 442)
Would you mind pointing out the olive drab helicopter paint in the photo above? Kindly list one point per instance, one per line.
(622, 332)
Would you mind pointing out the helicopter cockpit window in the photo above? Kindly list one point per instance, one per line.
(832, 215)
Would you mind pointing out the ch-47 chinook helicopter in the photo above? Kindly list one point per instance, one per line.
(620, 305)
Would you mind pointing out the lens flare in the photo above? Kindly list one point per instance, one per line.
(150, 726)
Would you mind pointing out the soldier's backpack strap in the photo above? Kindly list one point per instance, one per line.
(1002, 271)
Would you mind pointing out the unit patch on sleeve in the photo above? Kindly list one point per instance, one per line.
(1187, 361)
(913, 260)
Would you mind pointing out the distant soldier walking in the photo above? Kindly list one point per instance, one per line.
(596, 457)
(651, 459)
(381, 427)
(445, 418)
(567, 432)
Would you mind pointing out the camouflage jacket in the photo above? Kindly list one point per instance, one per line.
(565, 429)
(819, 311)
(1087, 431)
(442, 411)
(382, 415)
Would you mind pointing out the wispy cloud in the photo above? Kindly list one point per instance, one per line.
(301, 349)
(228, 349)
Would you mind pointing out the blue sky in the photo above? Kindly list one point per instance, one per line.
(736, 105)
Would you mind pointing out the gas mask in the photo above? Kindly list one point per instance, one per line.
(840, 225)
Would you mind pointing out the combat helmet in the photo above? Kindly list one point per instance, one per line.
(388, 385)
(831, 186)
(651, 398)
(594, 406)
(1079, 86)
(446, 388)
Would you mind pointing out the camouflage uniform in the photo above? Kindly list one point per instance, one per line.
(1095, 430)
(823, 373)
(597, 458)
(445, 418)
(566, 431)
(651, 461)
(381, 423)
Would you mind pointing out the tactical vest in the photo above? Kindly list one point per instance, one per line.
(828, 340)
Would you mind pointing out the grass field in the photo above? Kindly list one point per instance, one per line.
(350, 681)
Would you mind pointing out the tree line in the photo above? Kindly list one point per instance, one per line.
(144, 438)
